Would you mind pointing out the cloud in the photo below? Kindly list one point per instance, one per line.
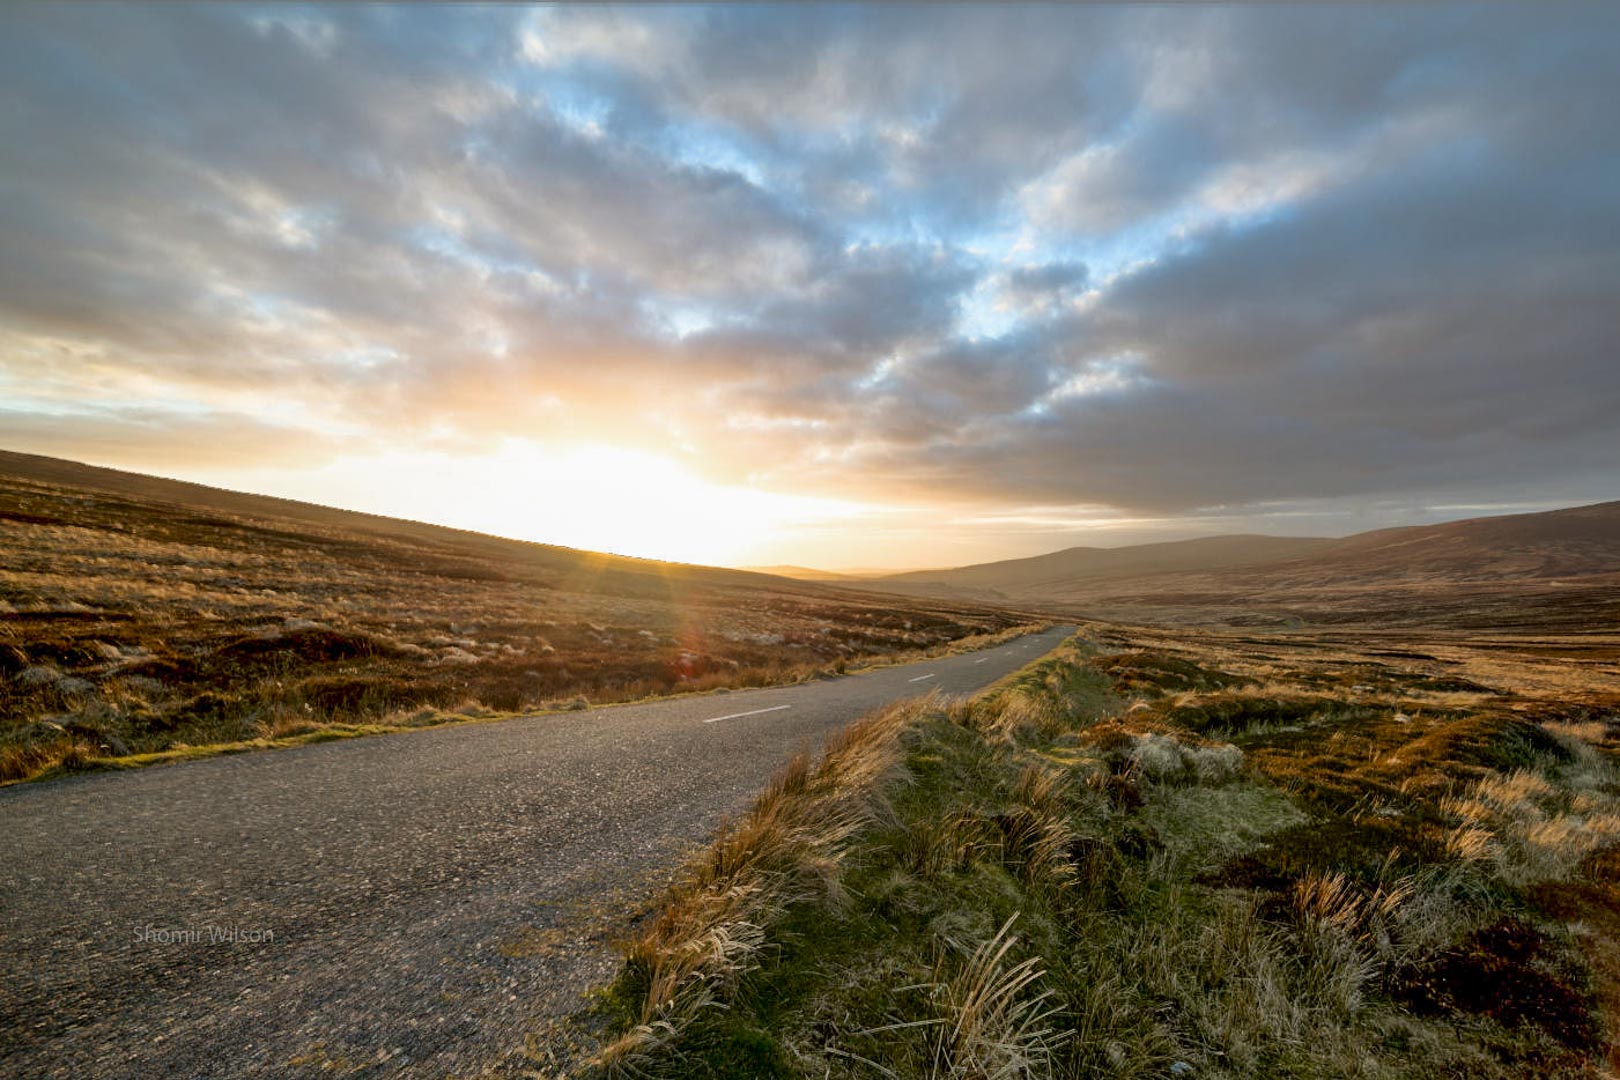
(1040, 288)
(158, 439)
(1150, 259)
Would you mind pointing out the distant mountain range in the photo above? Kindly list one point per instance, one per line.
(1559, 567)
(1082, 564)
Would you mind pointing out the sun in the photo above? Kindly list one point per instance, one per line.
(630, 502)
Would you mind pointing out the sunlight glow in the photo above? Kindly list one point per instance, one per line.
(591, 496)
(631, 502)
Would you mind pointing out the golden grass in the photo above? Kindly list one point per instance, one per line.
(1532, 827)
(134, 627)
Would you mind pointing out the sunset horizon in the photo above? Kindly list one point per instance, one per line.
(1040, 536)
(561, 274)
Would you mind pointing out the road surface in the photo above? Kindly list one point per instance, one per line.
(405, 904)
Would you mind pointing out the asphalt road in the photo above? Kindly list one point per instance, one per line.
(411, 904)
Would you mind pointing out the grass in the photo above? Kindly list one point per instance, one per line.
(789, 848)
(1141, 859)
(154, 622)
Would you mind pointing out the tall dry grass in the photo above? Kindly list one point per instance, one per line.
(1534, 825)
(996, 1022)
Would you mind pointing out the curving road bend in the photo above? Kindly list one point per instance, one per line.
(409, 904)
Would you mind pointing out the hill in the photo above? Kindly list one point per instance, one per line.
(144, 614)
(137, 488)
(1085, 563)
(1557, 569)
(1555, 544)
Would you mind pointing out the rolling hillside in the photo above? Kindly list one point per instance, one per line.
(1088, 563)
(1556, 544)
(140, 614)
(197, 501)
(1555, 569)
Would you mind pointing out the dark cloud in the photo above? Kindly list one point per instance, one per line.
(1152, 258)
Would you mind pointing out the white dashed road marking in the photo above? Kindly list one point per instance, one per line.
(920, 678)
(750, 712)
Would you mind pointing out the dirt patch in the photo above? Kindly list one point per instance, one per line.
(1591, 906)
(1508, 971)
(311, 645)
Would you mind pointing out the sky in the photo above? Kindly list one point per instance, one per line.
(870, 286)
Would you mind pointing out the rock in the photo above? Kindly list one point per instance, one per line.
(38, 675)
